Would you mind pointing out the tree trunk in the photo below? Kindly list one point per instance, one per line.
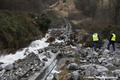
(117, 10)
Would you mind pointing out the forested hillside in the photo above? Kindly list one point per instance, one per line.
(101, 16)
(21, 21)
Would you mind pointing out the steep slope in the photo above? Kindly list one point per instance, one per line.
(65, 7)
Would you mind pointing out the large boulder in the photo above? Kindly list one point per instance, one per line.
(45, 59)
(72, 66)
(9, 67)
(116, 72)
(1, 68)
(73, 76)
(40, 51)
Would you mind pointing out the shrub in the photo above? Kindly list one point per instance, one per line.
(106, 32)
(18, 29)
(44, 22)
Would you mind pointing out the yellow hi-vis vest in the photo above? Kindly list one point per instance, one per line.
(114, 37)
(95, 38)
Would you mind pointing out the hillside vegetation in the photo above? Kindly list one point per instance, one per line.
(22, 21)
(17, 29)
(101, 16)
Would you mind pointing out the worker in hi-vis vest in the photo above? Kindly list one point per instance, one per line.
(96, 39)
(112, 40)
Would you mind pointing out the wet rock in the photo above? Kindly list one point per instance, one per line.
(22, 66)
(45, 59)
(38, 68)
(42, 64)
(72, 66)
(116, 72)
(116, 61)
(60, 55)
(83, 52)
(15, 65)
(109, 65)
(26, 52)
(101, 59)
(69, 76)
(40, 51)
(1, 63)
(48, 55)
(1, 68)
(54, 50)
(73, 76)
(76, 75)
(9, 67)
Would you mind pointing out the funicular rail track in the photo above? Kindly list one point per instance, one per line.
(45, 73)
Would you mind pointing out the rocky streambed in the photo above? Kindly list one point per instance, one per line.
(23, 69)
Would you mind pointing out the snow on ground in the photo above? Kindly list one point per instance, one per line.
(10, 58)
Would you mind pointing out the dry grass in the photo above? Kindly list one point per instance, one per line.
(63, 75)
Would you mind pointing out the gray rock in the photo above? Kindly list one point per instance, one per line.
(48, 55)
(76, 75)
(40, 51)
(116, 72)
(42, 64)
(1, 68)
(69, 76)
(106, 51)
(72, 66)
(9, 67)
(73, 76)
(116, 61)
(54, 50)
(38, 68)
(109, 65)
(45, 59)
(19, 73)
(1, 63)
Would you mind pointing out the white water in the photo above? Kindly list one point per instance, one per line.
(37, 44)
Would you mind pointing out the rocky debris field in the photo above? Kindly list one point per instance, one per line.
(85, 64)
(75, 63)
(22, 69)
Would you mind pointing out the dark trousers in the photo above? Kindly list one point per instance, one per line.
(97, 42)
(113, 45)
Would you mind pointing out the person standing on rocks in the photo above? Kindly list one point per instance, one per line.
(96, 39)
(112, 40)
